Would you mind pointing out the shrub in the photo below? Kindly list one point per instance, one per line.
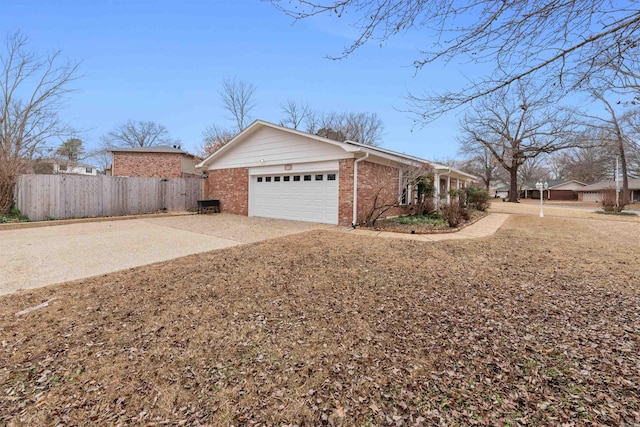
(609, 201)
(425, 206)
(14, 215)
(453, 213)
(432, 219)
(426, 190)
(477, 198)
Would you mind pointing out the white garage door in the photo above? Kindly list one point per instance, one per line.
(591, 197)
(302, 197)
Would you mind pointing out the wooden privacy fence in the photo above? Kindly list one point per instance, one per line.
(43, 197)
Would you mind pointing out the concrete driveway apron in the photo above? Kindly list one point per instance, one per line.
(35, 257)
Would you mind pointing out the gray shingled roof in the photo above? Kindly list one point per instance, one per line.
(634, 184)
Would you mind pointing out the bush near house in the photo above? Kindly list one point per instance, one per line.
(454, 213)
(477, 198)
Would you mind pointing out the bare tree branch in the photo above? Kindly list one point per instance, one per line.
(33, 89)
(138, 134)
(295, 114)
(237, 98)
(561, 43)
(515, 128)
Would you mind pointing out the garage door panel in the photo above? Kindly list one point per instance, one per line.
(313, 200)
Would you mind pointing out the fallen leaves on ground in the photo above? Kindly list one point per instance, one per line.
(537, 325)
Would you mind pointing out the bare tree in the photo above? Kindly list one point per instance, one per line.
(365, 128)
(631, 123)
(214, 138)
(533, 170)
(136, 134)
(237, 98)
(515, 126)
(557, 43)
(295, 114)
(586, 165)
(33, 88)
(612, 127)
(480, 162)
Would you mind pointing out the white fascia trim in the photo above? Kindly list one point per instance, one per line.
(261, 123)
(296, 168)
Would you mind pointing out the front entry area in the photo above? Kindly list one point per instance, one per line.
(308, 196)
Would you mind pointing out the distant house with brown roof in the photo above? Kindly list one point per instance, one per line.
(559, 189)
(153, 162)
(595, 192)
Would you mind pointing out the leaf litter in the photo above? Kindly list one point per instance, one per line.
(537, 325)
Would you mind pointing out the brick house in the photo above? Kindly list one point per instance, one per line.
(595, 192)
(153, 162)
(276, 172)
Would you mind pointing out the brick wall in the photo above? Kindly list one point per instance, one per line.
(345, 192)
(231, 187)
(151, 165)
(382, 181)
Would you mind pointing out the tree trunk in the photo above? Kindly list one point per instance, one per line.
(6, 196)
(513, 184)
(625, 178)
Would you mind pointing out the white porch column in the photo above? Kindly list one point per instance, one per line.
(448, 189)
(436, 195)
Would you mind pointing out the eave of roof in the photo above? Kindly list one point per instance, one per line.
(154, 149)
(348, 146)
(634, 184)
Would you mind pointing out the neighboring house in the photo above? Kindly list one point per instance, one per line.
(561, 189)
(58, 166)
(558, 190)
(272, 171)
(75, 169)
(594, 192)
(153, 162)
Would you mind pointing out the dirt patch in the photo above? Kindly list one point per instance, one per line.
(539, 324)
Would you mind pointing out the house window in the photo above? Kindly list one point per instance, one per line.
(296, 178)
(89, 170)
(331, 177)
(319, 177)
(259, 179)
(276, 178)
(286, 178)
(405, 189)
(267, 179)
(307, 177)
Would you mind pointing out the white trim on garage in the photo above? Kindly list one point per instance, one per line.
(301, 195)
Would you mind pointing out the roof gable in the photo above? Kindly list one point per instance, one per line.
(263, 144)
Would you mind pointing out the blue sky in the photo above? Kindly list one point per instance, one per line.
(164, 60)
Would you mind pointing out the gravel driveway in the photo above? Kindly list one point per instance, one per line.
(35, 257)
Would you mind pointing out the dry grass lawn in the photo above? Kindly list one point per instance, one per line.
(537, 325)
